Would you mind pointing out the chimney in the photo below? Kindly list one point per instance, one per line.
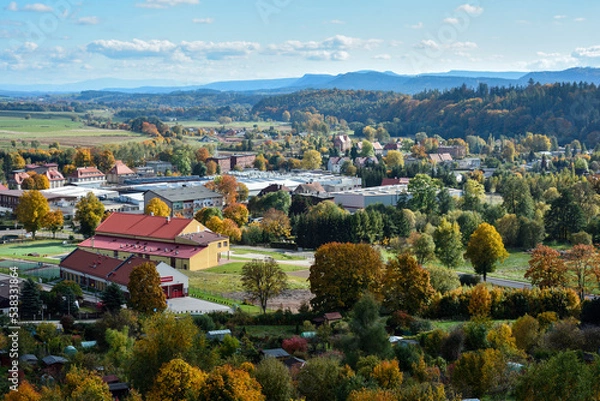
(168, 219)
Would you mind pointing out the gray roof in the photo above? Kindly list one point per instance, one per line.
(186, 193)
(52, 359)
(275, 353)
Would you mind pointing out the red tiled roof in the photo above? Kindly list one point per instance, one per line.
(54, 175)
(90, 263)
(152, 248)
(160, 228)
(86, 172)
(121, 274)
(120, 168)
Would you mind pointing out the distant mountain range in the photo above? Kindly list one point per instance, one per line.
(367, 80)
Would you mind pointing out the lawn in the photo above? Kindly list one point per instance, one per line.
(46, 249)
(272, 254)
(236, 268)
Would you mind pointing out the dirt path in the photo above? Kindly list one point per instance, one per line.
(289, 299)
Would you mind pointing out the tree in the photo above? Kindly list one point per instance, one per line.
(225, 383)
(394, 159)
(263, 280)
(176, 380)
(517, 197)
(275, 380)
(477, 373)
(564, 217)
(31, 211)
(473, 195)
(311, 160)
(423, 189)
(319, 378)
(112, 298)
(485, 249)
(448, 245)
(156, 207)
(165, 338)
(480, 303)
(204, 215)
(582, 263)
(237, 212)
(546, 268)
(31, 300)
(422, 246)
(83, 158)
(25, 392)
(225, 185)
(280, 200)
(342, 273)
(146, 295)
(83, 385)
(89, 213)
(54, 221)
(230, 229)
(369, 336)
(276, 224)
(405, 285)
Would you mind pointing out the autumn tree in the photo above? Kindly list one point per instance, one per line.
(89, 213)
(230, 229)
(83, 158)
(405, 285)
(582, 263)
(156, 207)
(276, 225)
(202, 154)
(387, 374)
(83, 385)
(394, 159)
(473, 195)
(166, 337)
(32, 210)
(226, 383)
(478, 373)
(546, 268)
(176, 380)
(342, 273)
(214, 224)
(204, 214)
(237, 212)
(25, 392)
(448, 244)
(54, 221)
(225, 185)
(263, 280)
(146, 294)
(311, 160)
(485, 249)
(211, 167)
(104, 159)
(480, 302)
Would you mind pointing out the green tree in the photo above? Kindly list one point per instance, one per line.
(311, 160)
(263, 280)
(112, 298)
(405, 285)
(32, 210)
(423, 189)
(275, 380)
(342, 273)
(369, 336)
(473, 195)
(31, 300)
(319, 378)
(146, 295)
(485, 249)
(564, 217)
(422, 246)
(517, 197)
(448, 245)
(478, 373)
(89, 213)
(582, 263)
(206, 213)
(156, 207)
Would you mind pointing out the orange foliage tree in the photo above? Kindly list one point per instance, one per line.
(546, 268)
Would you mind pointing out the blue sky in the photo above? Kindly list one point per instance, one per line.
(200, 41)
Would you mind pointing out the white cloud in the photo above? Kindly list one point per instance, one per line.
(463, 45)
(587, 52)
(88, 21)
(203, 20)
(470, 9)
(382, 57)
(164, 3)
(418, 25)
(451, 20)
(38, 8)
(334, 48)
(135, 48)
(580, 19)
(427, 44)
(12, 6)
(559, 17)
(551, 61)
(218, 50)
(396, 43)
(30, 46)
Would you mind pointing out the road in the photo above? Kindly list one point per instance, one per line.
(508, 283)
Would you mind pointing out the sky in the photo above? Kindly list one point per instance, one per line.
(188, 42)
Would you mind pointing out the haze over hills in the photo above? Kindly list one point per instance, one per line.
(367, 80)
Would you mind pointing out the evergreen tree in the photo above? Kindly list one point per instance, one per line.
(31, 300)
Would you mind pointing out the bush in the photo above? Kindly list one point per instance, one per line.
(590, 312)
(469, 279)
(453, 345)
(420, 325)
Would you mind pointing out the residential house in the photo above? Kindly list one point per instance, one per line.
(160, 167)
(243, 160)
(377, 149)
(90, 176)
(274, 188)
(312, 188)
(334, 164)
(392, 146)
(360, 162)
(456, 151)
(181, 243)
(94, 270)
(186, 200)
(343, 143)
(440, 158)
(119, 173)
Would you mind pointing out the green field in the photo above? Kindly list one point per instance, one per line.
(274, 255)
(48, 250)
(236, 268)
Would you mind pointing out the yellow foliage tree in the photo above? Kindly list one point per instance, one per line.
(83, 385)
(502, 339)
(276, 224)
(83, 158)
(215, 224)
(32, 210)
(146, 295)
(230, 229)
(175, 381)
(480, 303)
(238, 213)
(226, 383)
(54, 221)
(485, 249)
(394, 159)
(26, 392)
(311, 160)
(387, 374)
(372, 395)
(226, 185)
(156, 207)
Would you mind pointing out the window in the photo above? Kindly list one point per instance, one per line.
(219, 245)
(224, 243)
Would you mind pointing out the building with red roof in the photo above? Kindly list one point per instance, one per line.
(87, 176)
(94, 270)
(181, 243)
(119, 173)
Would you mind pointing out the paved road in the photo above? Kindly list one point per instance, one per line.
(507, 283)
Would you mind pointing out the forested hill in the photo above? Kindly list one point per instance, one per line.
(567, 111)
